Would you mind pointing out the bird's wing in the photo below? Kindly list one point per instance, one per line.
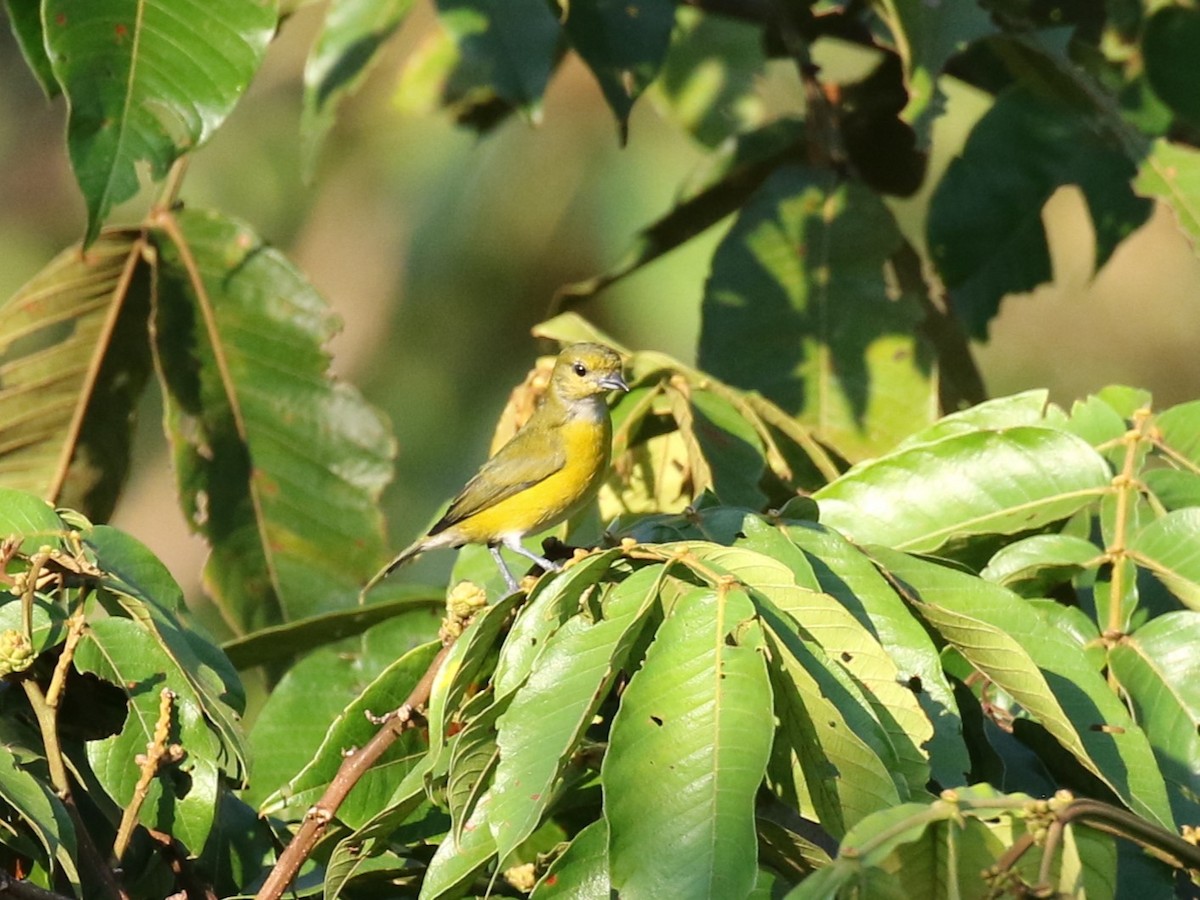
(518, 465)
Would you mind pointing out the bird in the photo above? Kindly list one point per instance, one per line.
(546, 472)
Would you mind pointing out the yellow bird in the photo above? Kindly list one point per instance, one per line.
(546, 472)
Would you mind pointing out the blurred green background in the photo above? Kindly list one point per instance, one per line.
(440, 249)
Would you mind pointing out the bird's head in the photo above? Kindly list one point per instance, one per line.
(586, 370)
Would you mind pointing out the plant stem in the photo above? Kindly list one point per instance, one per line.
(353, 768)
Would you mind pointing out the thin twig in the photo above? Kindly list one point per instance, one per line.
(353, 768)
(158, 752)
(76, 626)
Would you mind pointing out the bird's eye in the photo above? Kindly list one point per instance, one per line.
(579, 369)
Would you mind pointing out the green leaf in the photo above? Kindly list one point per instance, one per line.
(832, 758)
(460, 858)
(42, 812)
(1026, 408)
(183, 797)
(344, 51)
(553, 601)
(1158, 668)
(1171, 173)
(801, 277)
(279, 466)
(472, 762)
(1179, 432)
(581, 871)
(822, 618)
(926, 37)
(943, 848)
(148, 81)
(464, 667)
(845, 573)
(352, 729)
(623, 43)
(74, 359)
(1172, 488)
(1170, 548)
(687, 752)
(1045, 671)
(971, 484)
(1033, 564)
(731, 447)
(985, 226)
(25, 17)
(27, 516)
(708, 82)
(148, 594)
(1170, 42)
(420, 603)
(549, 713)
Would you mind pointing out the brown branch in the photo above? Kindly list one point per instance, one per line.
(353, 768)
(16, 889)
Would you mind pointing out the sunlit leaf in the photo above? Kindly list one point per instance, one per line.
(74, 359)
(581, 872)
(183, 797)
(687, 751)
(1170, 548)
(549, 713)
(351, 729)
(1005, 638)
(1171, 173)
(279, 466)
(1158, 668)
(976, 483)
(136, 96)
(801, 277)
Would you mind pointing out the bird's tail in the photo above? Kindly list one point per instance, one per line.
(411, 552)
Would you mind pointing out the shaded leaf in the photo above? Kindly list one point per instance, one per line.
(709, 77)
(74, 360)
(976, 483)
(623, 43)
(492, 57)
(985, 226)
(284, 641)
(1031, 565)
(41, 811)
(801, 276)
(279, 466)
(25, 17)
(345, 49)
(134, 97)
(687, 752)
(1169, 547)
(1170, 42)
(926, 37)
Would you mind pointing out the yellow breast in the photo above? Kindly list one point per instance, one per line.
(587, 444)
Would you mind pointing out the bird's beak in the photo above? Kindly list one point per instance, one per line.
(613, 382)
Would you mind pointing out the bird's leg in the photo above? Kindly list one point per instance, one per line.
(514, 544)
(508, 576)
